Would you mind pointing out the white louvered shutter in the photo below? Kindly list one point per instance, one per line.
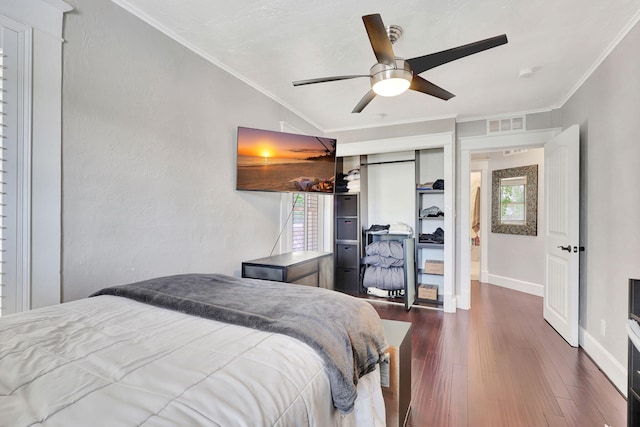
(312, 222)
(305, 222)
(10, 104)
(2, 172)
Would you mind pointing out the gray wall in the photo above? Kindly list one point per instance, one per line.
(149, 139)
(511, 256)
(606, 107)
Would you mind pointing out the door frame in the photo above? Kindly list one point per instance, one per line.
(475, 144)
(482, 167)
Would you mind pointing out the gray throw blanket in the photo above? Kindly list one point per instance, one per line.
(345, 331)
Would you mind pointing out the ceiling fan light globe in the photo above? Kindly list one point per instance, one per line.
(389, 81)
(391, 86)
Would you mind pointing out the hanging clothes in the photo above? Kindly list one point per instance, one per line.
(475, 218)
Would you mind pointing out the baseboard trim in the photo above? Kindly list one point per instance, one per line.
(516, 285)
(463, 301)
(484, 276)
(613, 369)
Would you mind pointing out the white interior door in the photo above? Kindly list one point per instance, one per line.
(562, 197)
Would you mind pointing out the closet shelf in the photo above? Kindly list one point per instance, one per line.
(429, 245)
(423, 271)
(430, 191)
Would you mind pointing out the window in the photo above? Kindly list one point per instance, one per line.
(2, 184)
(31, 43)
(12, 225)
(311, 223)
(513, 200)
(304, 223)
(14, 184)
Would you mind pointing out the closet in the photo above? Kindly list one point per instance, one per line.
(434, 225)
(388, 194)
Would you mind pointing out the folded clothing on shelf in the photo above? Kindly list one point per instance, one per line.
(400, 228)
(385, 248)
(341, 183)
(435, 237)
(438, 184)
(432, 211)
(378, 229)
(352, 176)
(353, 186)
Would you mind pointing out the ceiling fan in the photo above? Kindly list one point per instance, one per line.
(391, 76)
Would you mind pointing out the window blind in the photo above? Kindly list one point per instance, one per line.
(2, 183)
(11, 113)
(305, 222)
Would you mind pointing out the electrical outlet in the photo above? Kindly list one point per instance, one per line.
(603, 327)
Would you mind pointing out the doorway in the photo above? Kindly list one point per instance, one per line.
(560, 281)
(514, 260)
(475, 223)
(468, 147)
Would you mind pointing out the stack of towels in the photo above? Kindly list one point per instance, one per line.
(353, 181)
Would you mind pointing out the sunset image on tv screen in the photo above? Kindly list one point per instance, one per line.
(278, 161)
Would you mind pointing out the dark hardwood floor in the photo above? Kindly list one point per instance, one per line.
(500, 364)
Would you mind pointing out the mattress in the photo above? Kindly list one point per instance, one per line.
(111, 361)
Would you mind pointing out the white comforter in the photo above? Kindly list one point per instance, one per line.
(110, 361)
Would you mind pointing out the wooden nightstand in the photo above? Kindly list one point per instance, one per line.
(396, 382)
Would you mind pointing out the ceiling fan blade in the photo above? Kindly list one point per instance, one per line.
(427, 62)
(379, 39)
(327, 79)
(366, 99)
(421, 85)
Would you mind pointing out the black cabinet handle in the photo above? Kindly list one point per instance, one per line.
(565, 248)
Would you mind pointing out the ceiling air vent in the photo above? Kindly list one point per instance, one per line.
(510, 124)
(514, 151)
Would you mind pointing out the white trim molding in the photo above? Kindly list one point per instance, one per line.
(467, 146)
(536, 289)
(613, 369)
(392, 145)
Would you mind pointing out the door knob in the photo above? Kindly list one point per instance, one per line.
(565, 248)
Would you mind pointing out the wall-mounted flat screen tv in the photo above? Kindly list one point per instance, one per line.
(285, 162)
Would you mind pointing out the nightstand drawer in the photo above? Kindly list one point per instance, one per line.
(263, 272)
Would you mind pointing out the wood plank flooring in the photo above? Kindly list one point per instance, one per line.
(500, 364)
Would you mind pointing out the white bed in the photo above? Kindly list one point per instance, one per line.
(112, 361)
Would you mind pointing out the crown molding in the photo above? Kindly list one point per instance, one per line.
(176, 37)
(621, 35)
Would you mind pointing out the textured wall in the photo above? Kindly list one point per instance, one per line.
(606, 107)
(149, 139)
(513, 256)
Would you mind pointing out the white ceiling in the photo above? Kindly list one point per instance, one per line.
(269, 44)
